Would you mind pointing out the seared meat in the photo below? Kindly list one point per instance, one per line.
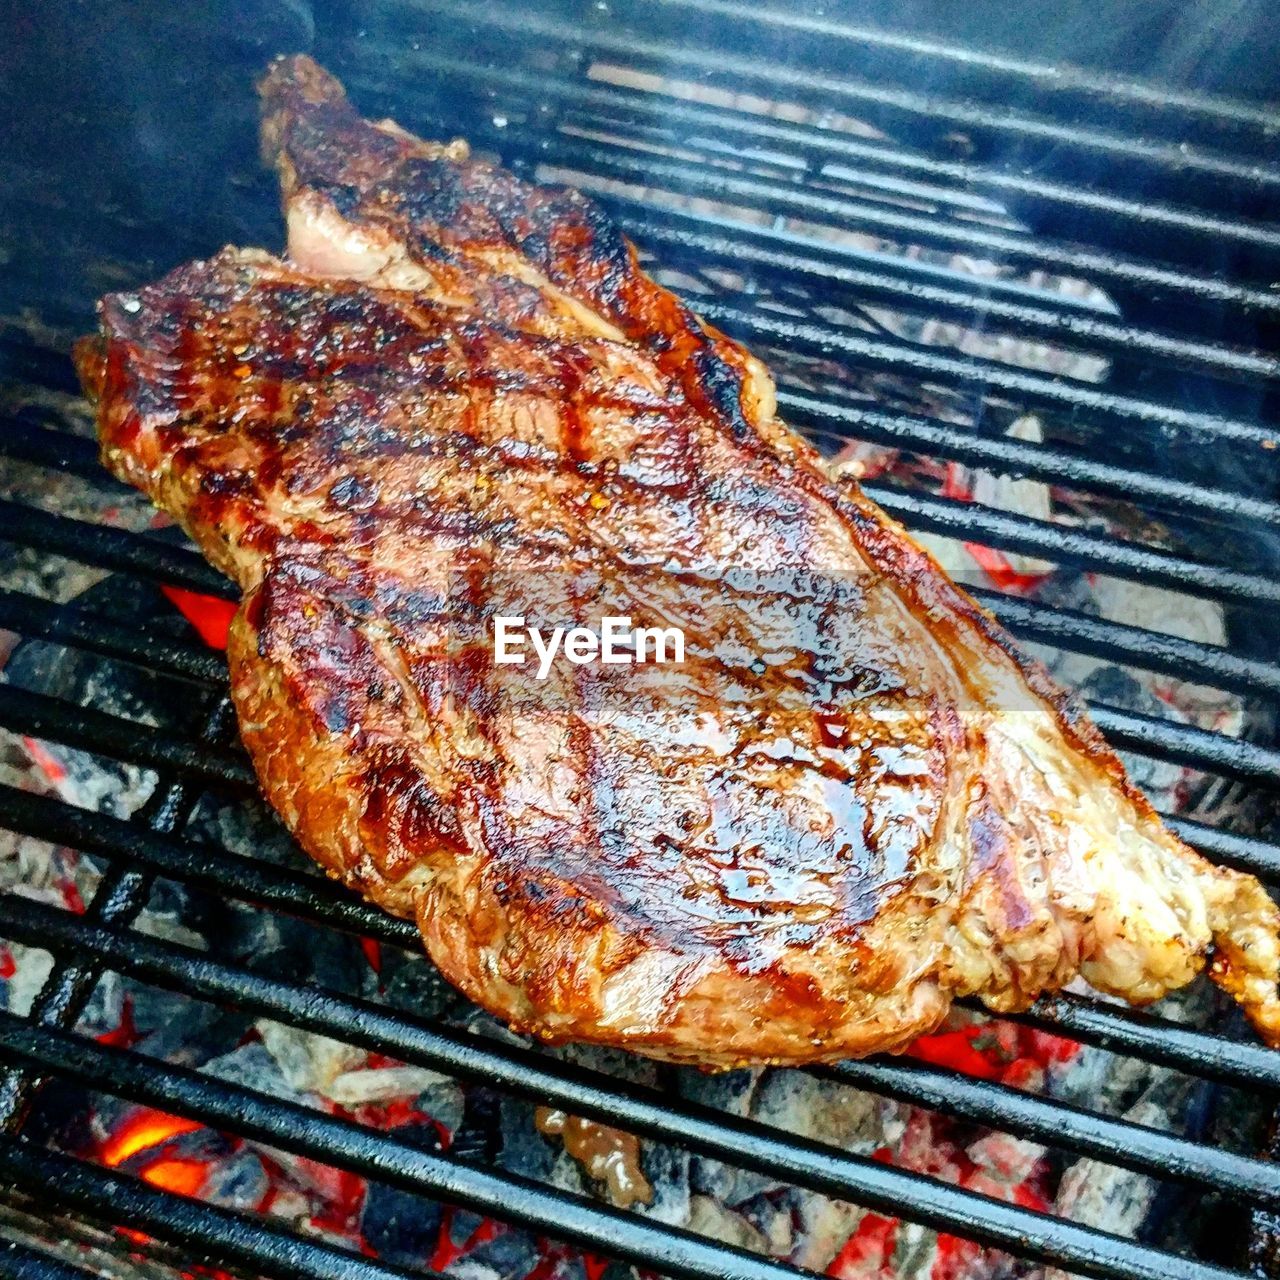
(853, 800)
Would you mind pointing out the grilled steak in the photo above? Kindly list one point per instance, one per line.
(460, 397)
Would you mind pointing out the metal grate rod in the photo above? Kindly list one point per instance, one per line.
(17, 1262)
(212, 868)
(821, 417)
(219, 1236)
(309, 897)
(686, 1124)
(42, 716)
(346, 1145)
(1164, 102)
(1132, 162)
(670, 121)
(120, 895)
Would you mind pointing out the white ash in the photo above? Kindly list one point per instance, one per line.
(364, 1086)
(710, 1218)
(33, 967)
(253, 1066)
(308, 1062)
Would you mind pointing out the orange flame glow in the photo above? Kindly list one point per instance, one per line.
(142, 1130)
(184, 1177)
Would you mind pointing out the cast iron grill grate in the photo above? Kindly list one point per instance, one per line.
(1158, 198)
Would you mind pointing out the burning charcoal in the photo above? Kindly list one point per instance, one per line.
(249, 828)
(772, 1216)
(444, 1103)
(1116, 688)
(161, 1023)
(709, 1217)
(30, 969)
(253, 1066)
(1008, 1159)
(309, 1063)
(524, 1149)
(508, 1253)
(614, 1271)
(61, 1117)
(567, 1174)
(478, 1138)
(84, 679)
(814, 1108)
(380, 1085)
(731, 1091)
(399, 1227)
(298, 952)
(414, 984)
(238, 1182)
(822, 1227)
(666, 1170)
(1099, 1194)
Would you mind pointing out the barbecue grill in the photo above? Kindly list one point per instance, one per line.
(930, 244)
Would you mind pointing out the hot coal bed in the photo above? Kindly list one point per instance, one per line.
(1030, 310)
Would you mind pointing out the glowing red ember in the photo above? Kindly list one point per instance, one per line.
(146, 1130)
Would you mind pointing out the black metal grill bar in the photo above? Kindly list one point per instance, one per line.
(847, 212)
(1130, 646)
(1133, 1033)
(23, 361)
(748, 1144)
(1064, 628)
(1059, 1124)
(1104, 92)
(973, 522)
(45, 445)
(42, 716)
(203, 866)
(1186, 744)
(1079, 632)
(870, 278)
(1018, 1113)
(222, 871)
(39, 619)
(834, 419)
(1217, 178)
(1245, 853)
(668, 121)
(17, 1262)
(979, 378)
(111, 549)
(218, 1236)
(342, 1144)
(914, 285)
(48, 447)
(120, 895)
